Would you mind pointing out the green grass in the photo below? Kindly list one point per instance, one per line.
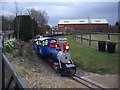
(91, 59)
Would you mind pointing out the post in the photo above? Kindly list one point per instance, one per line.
(81, 37)
(9, 36)
(108, 36)
(12, 35)
(75, 37)
(3, 47)
(89, 39)
(0, 62)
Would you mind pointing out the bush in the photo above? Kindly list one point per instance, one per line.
(36, 28)
(26, 27)
(9, 45)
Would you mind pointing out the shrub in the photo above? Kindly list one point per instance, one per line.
(9, 45)
(35, 26)
(26, 27)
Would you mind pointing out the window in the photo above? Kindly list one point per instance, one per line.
(61, 26)
(97, 21)
(66, 21)
(81, 21)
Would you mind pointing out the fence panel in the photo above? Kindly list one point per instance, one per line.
(8, 75)
(0, 62)
(14, 76)
(87, 38)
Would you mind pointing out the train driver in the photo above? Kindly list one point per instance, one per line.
(37, 43)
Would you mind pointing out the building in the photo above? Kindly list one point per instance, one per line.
(80, 24)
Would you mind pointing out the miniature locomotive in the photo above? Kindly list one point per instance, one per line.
(57, 52)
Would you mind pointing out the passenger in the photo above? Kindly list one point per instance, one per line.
(43, 43)
(46, 42)
(37, 36)
(37, 43)
(40, 36)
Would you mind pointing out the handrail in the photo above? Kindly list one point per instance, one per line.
(16, 77)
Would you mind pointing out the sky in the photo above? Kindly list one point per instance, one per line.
(66, 9)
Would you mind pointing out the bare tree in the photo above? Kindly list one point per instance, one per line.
(17, 9)
(17, 12)
(40, 17)
(7, 22)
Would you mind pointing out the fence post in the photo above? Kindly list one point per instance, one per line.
(81, 37)
(0, 62)
(9, 36)
(89, 39)
(75, 37)
(108, 36)
(12, 35)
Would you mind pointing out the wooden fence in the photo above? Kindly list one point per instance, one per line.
(8, 34)
(9, 78)
(79, 36)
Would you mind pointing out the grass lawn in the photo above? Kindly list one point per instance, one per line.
(91, 59)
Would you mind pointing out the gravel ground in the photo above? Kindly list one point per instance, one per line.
(38, 79)
(110, 81)
(38, 74)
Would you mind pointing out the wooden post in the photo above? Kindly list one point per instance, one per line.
(9, 36)
(81, 37)
(0, 62)
(75, 37)
(89, 39)
(108, 36)
(12, 35)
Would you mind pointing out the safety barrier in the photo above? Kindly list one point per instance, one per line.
(9, 78)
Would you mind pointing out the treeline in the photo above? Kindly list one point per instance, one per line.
(27, 26)
(7, 22)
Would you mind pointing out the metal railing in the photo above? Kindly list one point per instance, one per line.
(9, 78)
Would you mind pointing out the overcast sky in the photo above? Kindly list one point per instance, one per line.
(64, 9)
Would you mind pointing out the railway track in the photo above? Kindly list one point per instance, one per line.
(88, 83)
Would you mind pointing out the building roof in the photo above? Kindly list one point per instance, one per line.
(83, 21)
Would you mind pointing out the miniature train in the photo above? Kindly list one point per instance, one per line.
(57, 52)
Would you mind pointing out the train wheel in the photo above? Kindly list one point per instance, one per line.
(71, 72)
(68, 72)
(63, 72)
(62, 75)
(56, 69)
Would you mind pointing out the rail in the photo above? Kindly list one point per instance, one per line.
(95, 40)
(80, 36)
(9, 78)
(89, 83)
